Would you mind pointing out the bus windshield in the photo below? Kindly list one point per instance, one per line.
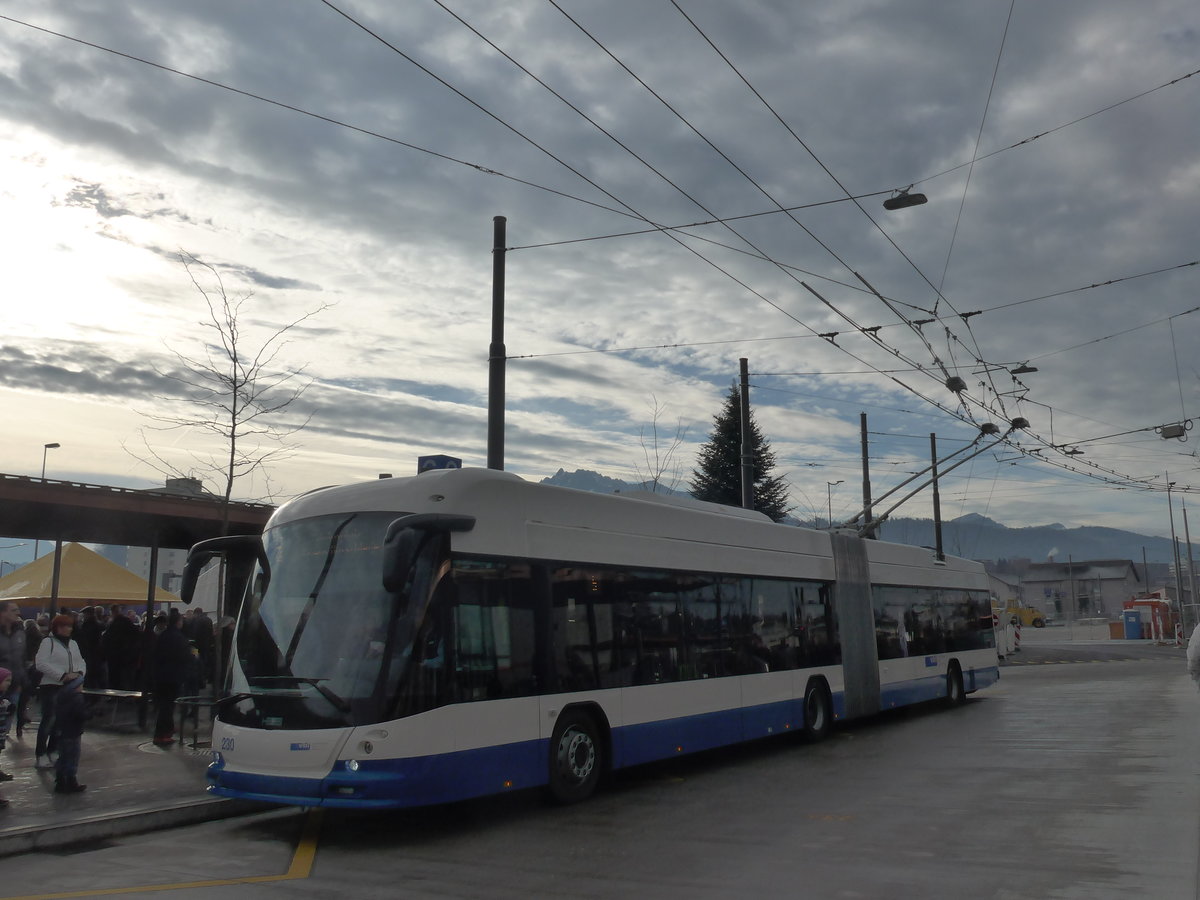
(311, 648)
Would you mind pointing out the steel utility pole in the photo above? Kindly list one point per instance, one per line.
(1187, 537)
(747, 450)
(496, 351)
(866, 474)
(937, 501)
(1175, 548)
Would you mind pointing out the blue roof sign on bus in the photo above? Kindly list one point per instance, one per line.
(437, 461)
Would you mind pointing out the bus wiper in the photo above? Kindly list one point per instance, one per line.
(336, 701)
(312, 597)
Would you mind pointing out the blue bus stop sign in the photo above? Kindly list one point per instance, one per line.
(437, 461)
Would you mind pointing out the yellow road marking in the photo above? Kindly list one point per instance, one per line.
(302, 861)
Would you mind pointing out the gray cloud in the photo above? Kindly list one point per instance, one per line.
(883, 95)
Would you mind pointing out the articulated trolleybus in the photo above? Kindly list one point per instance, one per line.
(463, 632)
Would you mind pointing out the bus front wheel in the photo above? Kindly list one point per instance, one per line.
(576, 758)
(818, 712)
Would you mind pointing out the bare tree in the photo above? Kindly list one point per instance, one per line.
(661, 472)
(235, 391)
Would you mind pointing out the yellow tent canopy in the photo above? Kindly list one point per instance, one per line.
(85, 578)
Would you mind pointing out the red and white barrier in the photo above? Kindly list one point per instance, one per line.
(1017, 637)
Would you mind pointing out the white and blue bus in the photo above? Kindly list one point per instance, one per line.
(464, 632)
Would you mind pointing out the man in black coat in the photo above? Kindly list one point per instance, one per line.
(120, 644)
(172, 657)
(87, 635)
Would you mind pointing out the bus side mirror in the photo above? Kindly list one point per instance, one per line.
(241, 549)
(196, 561)
(399, 549)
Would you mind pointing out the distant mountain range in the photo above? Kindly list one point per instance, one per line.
(972, 536)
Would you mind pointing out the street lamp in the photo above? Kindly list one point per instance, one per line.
(46, 448)
(5, 562)
(902, 199)
(829, 486)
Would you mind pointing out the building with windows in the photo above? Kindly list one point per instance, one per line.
(1081, 589)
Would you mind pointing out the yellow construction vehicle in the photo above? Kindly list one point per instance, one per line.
(1017, 612)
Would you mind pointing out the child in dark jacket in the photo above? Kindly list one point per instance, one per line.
(70, 714)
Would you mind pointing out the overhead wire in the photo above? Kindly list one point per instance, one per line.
(1088, 287)
(607, 193)
(407, 145)
(318, 116)
(965, 410)
(1049, 131)
(1115, 334)
(974, 154)
(876, 370)
(962, 205)
(368, 132)
(490, 171)
(741, 283)
(836, 181)
(965, 317)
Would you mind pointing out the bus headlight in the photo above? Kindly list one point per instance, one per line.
(352, 765)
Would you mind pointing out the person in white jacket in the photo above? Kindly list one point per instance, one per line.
(59, 661)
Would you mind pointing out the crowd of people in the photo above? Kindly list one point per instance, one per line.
(67, 661)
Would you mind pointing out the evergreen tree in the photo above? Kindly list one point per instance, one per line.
(718, 477)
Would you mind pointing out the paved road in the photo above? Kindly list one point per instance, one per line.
(1067, 651)
(1064, 781)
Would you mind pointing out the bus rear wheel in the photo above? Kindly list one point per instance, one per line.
(576, 758)
(955, 695)
(818, 712)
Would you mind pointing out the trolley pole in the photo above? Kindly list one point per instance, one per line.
(496, 351)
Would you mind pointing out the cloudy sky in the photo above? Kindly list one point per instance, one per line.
(685, 184)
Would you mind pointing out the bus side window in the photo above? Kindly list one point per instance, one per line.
(572, 593)
(889, 622)
(493, 632)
